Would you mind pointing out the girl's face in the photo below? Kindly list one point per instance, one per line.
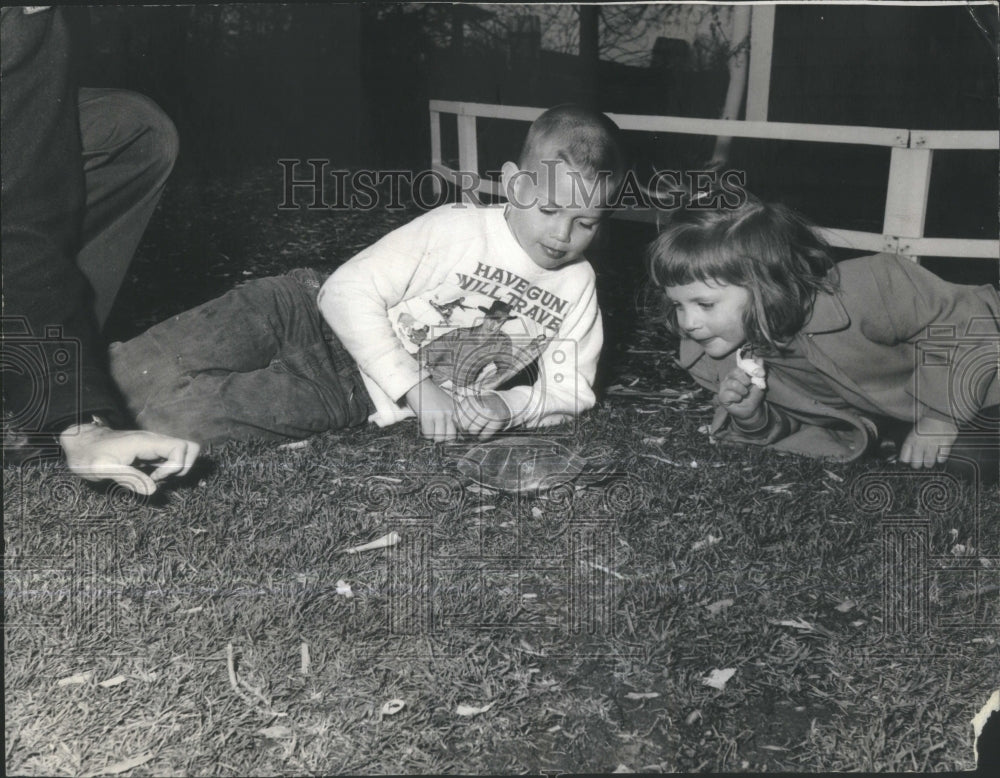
(711, 314)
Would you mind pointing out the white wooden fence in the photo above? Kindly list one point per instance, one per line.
(909, 168)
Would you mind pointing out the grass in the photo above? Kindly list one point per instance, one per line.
(586, 622)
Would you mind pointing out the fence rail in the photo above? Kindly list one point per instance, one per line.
(911, 157)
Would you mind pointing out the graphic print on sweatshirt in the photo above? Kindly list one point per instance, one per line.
(479, 331)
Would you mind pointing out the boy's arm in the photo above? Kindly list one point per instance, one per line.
(567, 368)
(356, 298)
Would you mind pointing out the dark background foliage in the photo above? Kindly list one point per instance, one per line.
(248, 84)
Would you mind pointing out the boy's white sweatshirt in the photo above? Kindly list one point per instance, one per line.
(459, 267)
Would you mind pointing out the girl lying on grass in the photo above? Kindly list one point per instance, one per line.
(834, 356)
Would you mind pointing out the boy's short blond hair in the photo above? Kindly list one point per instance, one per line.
(586, 139)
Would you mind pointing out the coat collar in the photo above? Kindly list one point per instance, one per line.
(828, 315)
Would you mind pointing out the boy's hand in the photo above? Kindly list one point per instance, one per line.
(932, 446)
(741, 399)
(483, 415)
(435, 409)
(95, 453)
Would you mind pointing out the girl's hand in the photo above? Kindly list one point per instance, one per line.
(931, 446)
(741, 399)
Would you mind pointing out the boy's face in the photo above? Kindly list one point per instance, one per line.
(550, 213)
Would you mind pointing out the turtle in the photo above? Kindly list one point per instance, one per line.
(528, 465)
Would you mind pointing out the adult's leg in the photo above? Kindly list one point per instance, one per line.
(129, 149)
(257, 362)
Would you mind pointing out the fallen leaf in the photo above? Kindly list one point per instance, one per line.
(383, 542)
(662, 459)
(472, 710)
(116, 681)
(654, 441)
(75, 679)
(845, 606)
(276, 732)
(123, 766)
(530, 649)
(295, 444)
(693, 716)
(796, 623)
(536, 512)
(718, 679)
(641, 695)
(392, 707)
(717, 607)
(606, 570)
(344, 588)
(622, 769)
(305, 660)
(711, 540)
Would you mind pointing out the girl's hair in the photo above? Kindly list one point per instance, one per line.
(768, 249)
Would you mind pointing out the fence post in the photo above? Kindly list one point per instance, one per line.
(468, 154)
(906, 197)
(436, 151)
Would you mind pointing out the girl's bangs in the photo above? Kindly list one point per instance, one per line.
(692, 257)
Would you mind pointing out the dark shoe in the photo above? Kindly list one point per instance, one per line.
(19, 448)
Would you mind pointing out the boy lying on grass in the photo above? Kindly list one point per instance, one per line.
(841, 354)
(433, 320)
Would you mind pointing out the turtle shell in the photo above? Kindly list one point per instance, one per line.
(520, 464)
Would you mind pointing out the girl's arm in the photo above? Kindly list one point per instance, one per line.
(743, 415)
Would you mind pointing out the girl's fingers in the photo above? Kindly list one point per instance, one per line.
(734, 391)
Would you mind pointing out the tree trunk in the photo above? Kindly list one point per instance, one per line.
(589, 53)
